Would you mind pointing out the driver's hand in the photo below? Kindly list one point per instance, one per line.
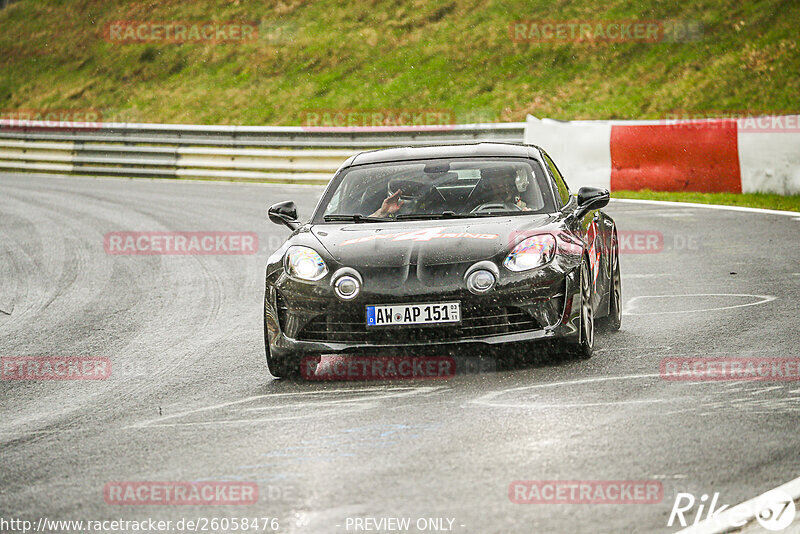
(390, 206)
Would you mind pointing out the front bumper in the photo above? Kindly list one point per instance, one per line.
(303, 318)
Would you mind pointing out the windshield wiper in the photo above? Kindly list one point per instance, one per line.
(355, 217)
(453, 215)
(500, 213)
(443, 215)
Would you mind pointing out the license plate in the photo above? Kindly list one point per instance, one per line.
(406, 314)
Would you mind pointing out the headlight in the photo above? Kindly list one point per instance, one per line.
(304, 263)
(531, 253)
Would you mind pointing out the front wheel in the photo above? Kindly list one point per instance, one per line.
(585, 345)
(288, 366)
(292, 367)
(613, 321)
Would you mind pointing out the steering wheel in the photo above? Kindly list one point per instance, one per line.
(495, 206)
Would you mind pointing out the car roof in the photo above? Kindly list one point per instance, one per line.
(468, 150)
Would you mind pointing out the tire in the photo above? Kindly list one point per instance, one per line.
(582, 349)
(287, 367)
(613, 320)
(279, 368)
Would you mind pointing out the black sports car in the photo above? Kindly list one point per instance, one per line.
(422, 249)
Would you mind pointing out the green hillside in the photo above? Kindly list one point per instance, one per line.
(394, 55)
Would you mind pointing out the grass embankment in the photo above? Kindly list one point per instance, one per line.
(452, 55)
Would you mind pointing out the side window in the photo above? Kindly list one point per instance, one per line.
(561, 185)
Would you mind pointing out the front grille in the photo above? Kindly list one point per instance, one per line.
(350, 327)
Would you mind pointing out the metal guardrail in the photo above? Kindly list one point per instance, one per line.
(259, 153)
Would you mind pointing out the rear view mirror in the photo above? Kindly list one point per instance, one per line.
(284, 213)
(437, 168)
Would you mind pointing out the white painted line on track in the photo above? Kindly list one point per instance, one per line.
(334, 402)
(337, 413)
(759, 391)
(291, 393)
(707, 353)
(707, 206)
(722, 522)
(764, 300)
(635, 347)
(269, 395)
(488, 399)
(387, 393)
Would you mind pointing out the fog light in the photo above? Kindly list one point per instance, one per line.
(347, 287)
(480, 281)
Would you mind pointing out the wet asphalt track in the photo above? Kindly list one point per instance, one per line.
(190, 397)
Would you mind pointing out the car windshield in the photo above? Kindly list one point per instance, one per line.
(438, 188)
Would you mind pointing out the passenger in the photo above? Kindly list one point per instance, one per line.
(498, 185)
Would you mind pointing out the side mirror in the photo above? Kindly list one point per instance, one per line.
(591, 198)
(284, 213)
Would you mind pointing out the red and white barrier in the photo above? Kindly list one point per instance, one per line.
(754, 154)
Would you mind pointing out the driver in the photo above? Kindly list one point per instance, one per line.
(426, 200)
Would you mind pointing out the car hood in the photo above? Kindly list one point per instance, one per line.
(425, 243)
